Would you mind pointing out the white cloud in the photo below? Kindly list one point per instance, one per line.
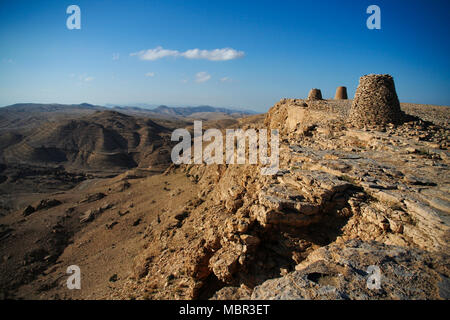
(202, 77)
(116, 56)
(84, 78)
(150, 74)
(226, 79)
(212, 55)
(155, 54)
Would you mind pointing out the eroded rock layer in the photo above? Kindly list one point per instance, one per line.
(342, 200)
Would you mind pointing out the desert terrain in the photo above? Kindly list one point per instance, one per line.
(96, 188)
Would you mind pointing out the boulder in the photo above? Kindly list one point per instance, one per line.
(47, 203)
(28, 210)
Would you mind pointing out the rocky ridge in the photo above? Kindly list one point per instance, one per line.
(344, 199)
(385, 188)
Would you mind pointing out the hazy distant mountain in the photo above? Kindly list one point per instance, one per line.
(41, 107)
(146, 106)
(187, 111)
(29, 115)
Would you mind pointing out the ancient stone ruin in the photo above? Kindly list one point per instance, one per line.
(375, 102)
(341, 93)
(315, 94)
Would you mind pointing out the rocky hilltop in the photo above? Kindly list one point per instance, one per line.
(347, 196)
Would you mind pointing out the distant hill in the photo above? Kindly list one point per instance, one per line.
(31, 115)
(40, 107)
(104, 139)
(189, 111)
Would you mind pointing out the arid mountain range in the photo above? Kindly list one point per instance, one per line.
(96, 188)
(23, 115)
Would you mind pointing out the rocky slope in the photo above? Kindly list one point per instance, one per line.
(344, 199)
(104, 139)
(340, 272)
(336, 183)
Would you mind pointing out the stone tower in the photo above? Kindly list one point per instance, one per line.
(315, 94)
(375, 102)
(341, 93)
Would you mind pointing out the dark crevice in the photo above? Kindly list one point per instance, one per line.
(210, 286)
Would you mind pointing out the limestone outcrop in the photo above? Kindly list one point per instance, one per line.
(340, 272)
(341, 194)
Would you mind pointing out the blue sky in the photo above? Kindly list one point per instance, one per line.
(275, 49)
